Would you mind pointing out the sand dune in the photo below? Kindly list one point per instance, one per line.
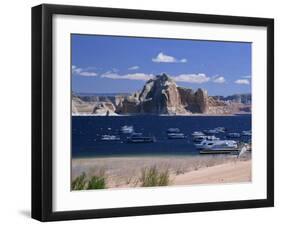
(231, 172)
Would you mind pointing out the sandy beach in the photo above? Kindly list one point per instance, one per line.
(123, 172)
(232, 172)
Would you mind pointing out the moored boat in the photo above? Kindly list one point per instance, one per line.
(233, 135)
(199, 139)
(246, 133)
(176, 135)
(107, 137)
(197, 133)
(127, 129)
(140, 138)
(211, 131)
(199, 142)
(173, 130)
(219, 147)
(220, 129)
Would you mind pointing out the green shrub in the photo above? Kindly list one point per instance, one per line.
(96, 182)
(153, 177)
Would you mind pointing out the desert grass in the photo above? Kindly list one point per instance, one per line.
(84, 182)
(151, 177)
(79, 183)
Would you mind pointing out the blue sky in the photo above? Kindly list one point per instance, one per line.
(111, 64)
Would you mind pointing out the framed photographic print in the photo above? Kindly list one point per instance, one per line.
(146, 112)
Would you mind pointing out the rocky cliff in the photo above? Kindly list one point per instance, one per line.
(89, 106)
(159, 95)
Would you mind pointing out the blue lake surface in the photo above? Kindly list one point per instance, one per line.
(87, 131)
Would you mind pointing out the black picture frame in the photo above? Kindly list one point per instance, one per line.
(42, 107)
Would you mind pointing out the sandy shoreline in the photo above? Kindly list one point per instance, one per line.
(122, 172)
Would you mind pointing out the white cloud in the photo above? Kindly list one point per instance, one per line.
(134, 67)
(183, 60)
(219, 79)
(242, 82)
(82, 72)
(134, 76)
(75, 70)
(192, 78)
(163, 58)
(247, 76)
(87, 73)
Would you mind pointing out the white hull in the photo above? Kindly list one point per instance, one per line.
(218, 147)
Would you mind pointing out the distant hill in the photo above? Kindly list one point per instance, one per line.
(245, 98)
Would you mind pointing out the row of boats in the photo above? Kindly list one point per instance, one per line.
(205, 141)
(133, 137)
(223, 130)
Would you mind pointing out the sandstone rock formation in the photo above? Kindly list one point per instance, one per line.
(81, 107)
(161, 95)
(158, 96)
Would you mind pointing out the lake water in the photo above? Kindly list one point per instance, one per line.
(87, 131)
